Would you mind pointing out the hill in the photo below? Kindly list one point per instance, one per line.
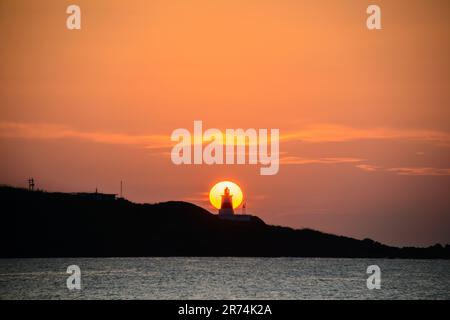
(43, 224)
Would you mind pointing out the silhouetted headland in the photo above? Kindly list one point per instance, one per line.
(43, 224)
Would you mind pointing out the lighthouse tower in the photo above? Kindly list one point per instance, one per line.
(226, 207)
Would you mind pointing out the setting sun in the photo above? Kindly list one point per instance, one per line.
(215, 195)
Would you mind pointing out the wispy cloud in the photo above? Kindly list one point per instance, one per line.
(359, 163)
(316, 133)
(420, 171)
(338, 133)
(301, 160)
(368, 167)
(312, 133)
(407, 171)
(52, 131)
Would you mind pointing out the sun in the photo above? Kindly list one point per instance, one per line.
(215, 195)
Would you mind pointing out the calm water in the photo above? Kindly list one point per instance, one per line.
(223, 278)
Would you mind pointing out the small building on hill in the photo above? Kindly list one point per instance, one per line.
(97, 195)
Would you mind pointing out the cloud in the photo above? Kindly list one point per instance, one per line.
(420, 171)
(52, 131)
(301, 160)
(338, 133)
(314, 134)
(368, 167)
(407, 171)
(410, 171)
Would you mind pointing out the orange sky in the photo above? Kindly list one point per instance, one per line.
(363, 115)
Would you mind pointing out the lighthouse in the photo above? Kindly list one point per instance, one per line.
(226, 207)
(226, 211)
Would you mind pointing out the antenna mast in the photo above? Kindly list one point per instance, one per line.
(31, 184)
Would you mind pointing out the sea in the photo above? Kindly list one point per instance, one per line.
(224, 278)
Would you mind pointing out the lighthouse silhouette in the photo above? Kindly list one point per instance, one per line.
(226, 211)
(226, 206)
